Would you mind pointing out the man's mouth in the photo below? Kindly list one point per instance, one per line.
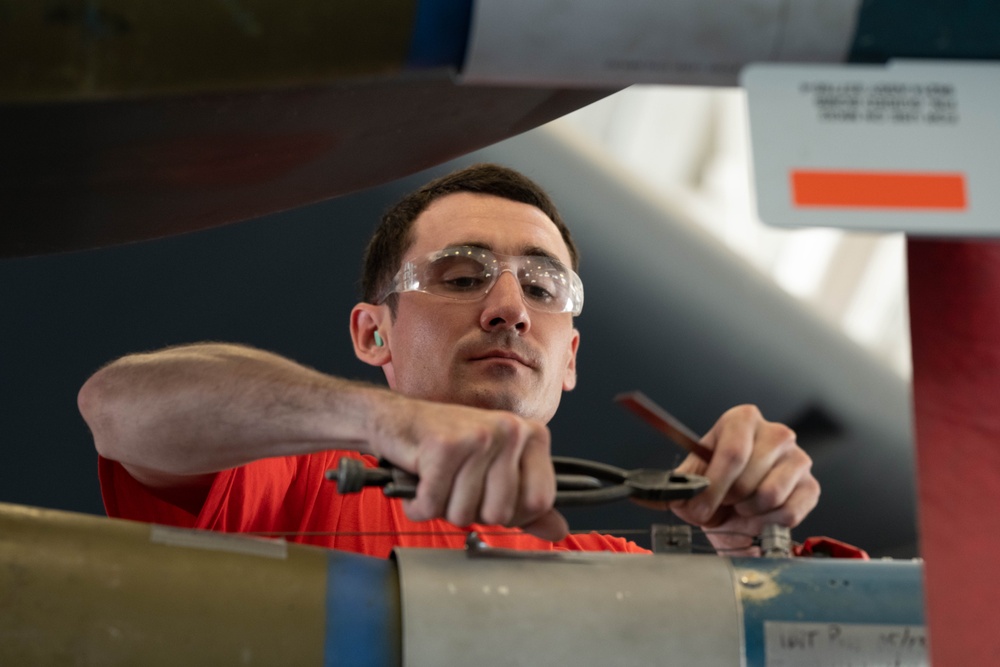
(503, 354)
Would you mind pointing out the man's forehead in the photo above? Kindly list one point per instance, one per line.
(502, 225)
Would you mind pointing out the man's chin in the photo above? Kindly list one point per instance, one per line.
(525, 405)
(495, 400)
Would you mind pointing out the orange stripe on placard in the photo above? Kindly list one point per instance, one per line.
(875, 189)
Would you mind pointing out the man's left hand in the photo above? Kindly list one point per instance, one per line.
(758, 475)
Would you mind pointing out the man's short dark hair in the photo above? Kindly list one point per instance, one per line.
(392, 237)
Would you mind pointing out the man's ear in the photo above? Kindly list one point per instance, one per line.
(370, 333)
(569, 379)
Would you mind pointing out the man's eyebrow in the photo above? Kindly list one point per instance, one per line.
(471, 244)
(531, 251)
(535, 251)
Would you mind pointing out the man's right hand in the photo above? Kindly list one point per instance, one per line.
(475, 466)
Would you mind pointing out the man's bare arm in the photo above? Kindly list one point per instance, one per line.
(175, 417)
(194, 410)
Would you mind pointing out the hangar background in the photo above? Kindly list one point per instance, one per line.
(689, 299)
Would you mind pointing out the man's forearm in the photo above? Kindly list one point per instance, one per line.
(198, 409)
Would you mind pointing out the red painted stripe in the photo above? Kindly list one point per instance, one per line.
(871, 189)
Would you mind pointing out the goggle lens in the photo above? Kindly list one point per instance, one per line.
(468, 273)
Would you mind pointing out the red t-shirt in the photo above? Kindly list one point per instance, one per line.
(291, 495)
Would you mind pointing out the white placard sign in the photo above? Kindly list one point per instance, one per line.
(621, 42)
(912, 146)
(844, 645)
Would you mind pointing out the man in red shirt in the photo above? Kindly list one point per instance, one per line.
(469, 296)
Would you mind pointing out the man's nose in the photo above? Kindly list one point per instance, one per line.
(504, 306)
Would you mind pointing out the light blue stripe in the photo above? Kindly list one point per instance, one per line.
(362, 627)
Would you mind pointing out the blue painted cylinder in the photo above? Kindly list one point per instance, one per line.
(831, 612)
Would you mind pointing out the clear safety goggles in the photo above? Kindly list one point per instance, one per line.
(467, 273)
